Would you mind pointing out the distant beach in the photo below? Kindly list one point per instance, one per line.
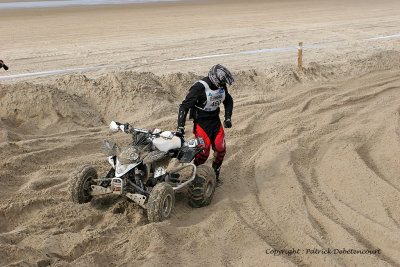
(44, 4)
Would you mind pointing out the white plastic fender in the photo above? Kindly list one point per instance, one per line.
(110, 159)
(167, 135)
(120, 169)
(165, 145)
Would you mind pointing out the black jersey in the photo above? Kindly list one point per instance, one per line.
(196, 100)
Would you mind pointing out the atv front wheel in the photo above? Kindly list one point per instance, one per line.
(161, 203)
(201, 190)
(80, 184)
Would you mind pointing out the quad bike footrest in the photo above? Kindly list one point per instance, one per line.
(99, 190)
(137, 198)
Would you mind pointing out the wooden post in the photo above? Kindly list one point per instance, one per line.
(300, 63)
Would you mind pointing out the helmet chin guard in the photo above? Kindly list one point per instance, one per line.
(219, 75)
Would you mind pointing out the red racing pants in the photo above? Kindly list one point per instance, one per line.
(214, 136)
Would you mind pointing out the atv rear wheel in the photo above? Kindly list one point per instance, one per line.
(80, 184)
(161, 203)
(201, 190)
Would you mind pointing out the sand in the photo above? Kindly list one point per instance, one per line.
(312, 160)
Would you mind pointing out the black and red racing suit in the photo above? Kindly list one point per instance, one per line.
(207, 124)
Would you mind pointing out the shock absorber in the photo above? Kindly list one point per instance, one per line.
(138, 178)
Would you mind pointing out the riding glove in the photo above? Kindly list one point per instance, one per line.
(228, 123)
(180, 131)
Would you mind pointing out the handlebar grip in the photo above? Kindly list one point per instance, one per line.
(114, 126)
(125, 127)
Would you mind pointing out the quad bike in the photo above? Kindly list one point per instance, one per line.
(139, 172)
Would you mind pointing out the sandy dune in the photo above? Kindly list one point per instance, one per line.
(312, 159)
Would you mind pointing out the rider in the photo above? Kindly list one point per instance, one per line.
(203, 100)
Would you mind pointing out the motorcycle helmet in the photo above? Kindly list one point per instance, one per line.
(219, 75)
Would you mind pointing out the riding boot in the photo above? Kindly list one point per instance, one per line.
(195, 162)
(217, 169)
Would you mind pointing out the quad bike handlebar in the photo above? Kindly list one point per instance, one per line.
(126, 128)
(197, 143)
